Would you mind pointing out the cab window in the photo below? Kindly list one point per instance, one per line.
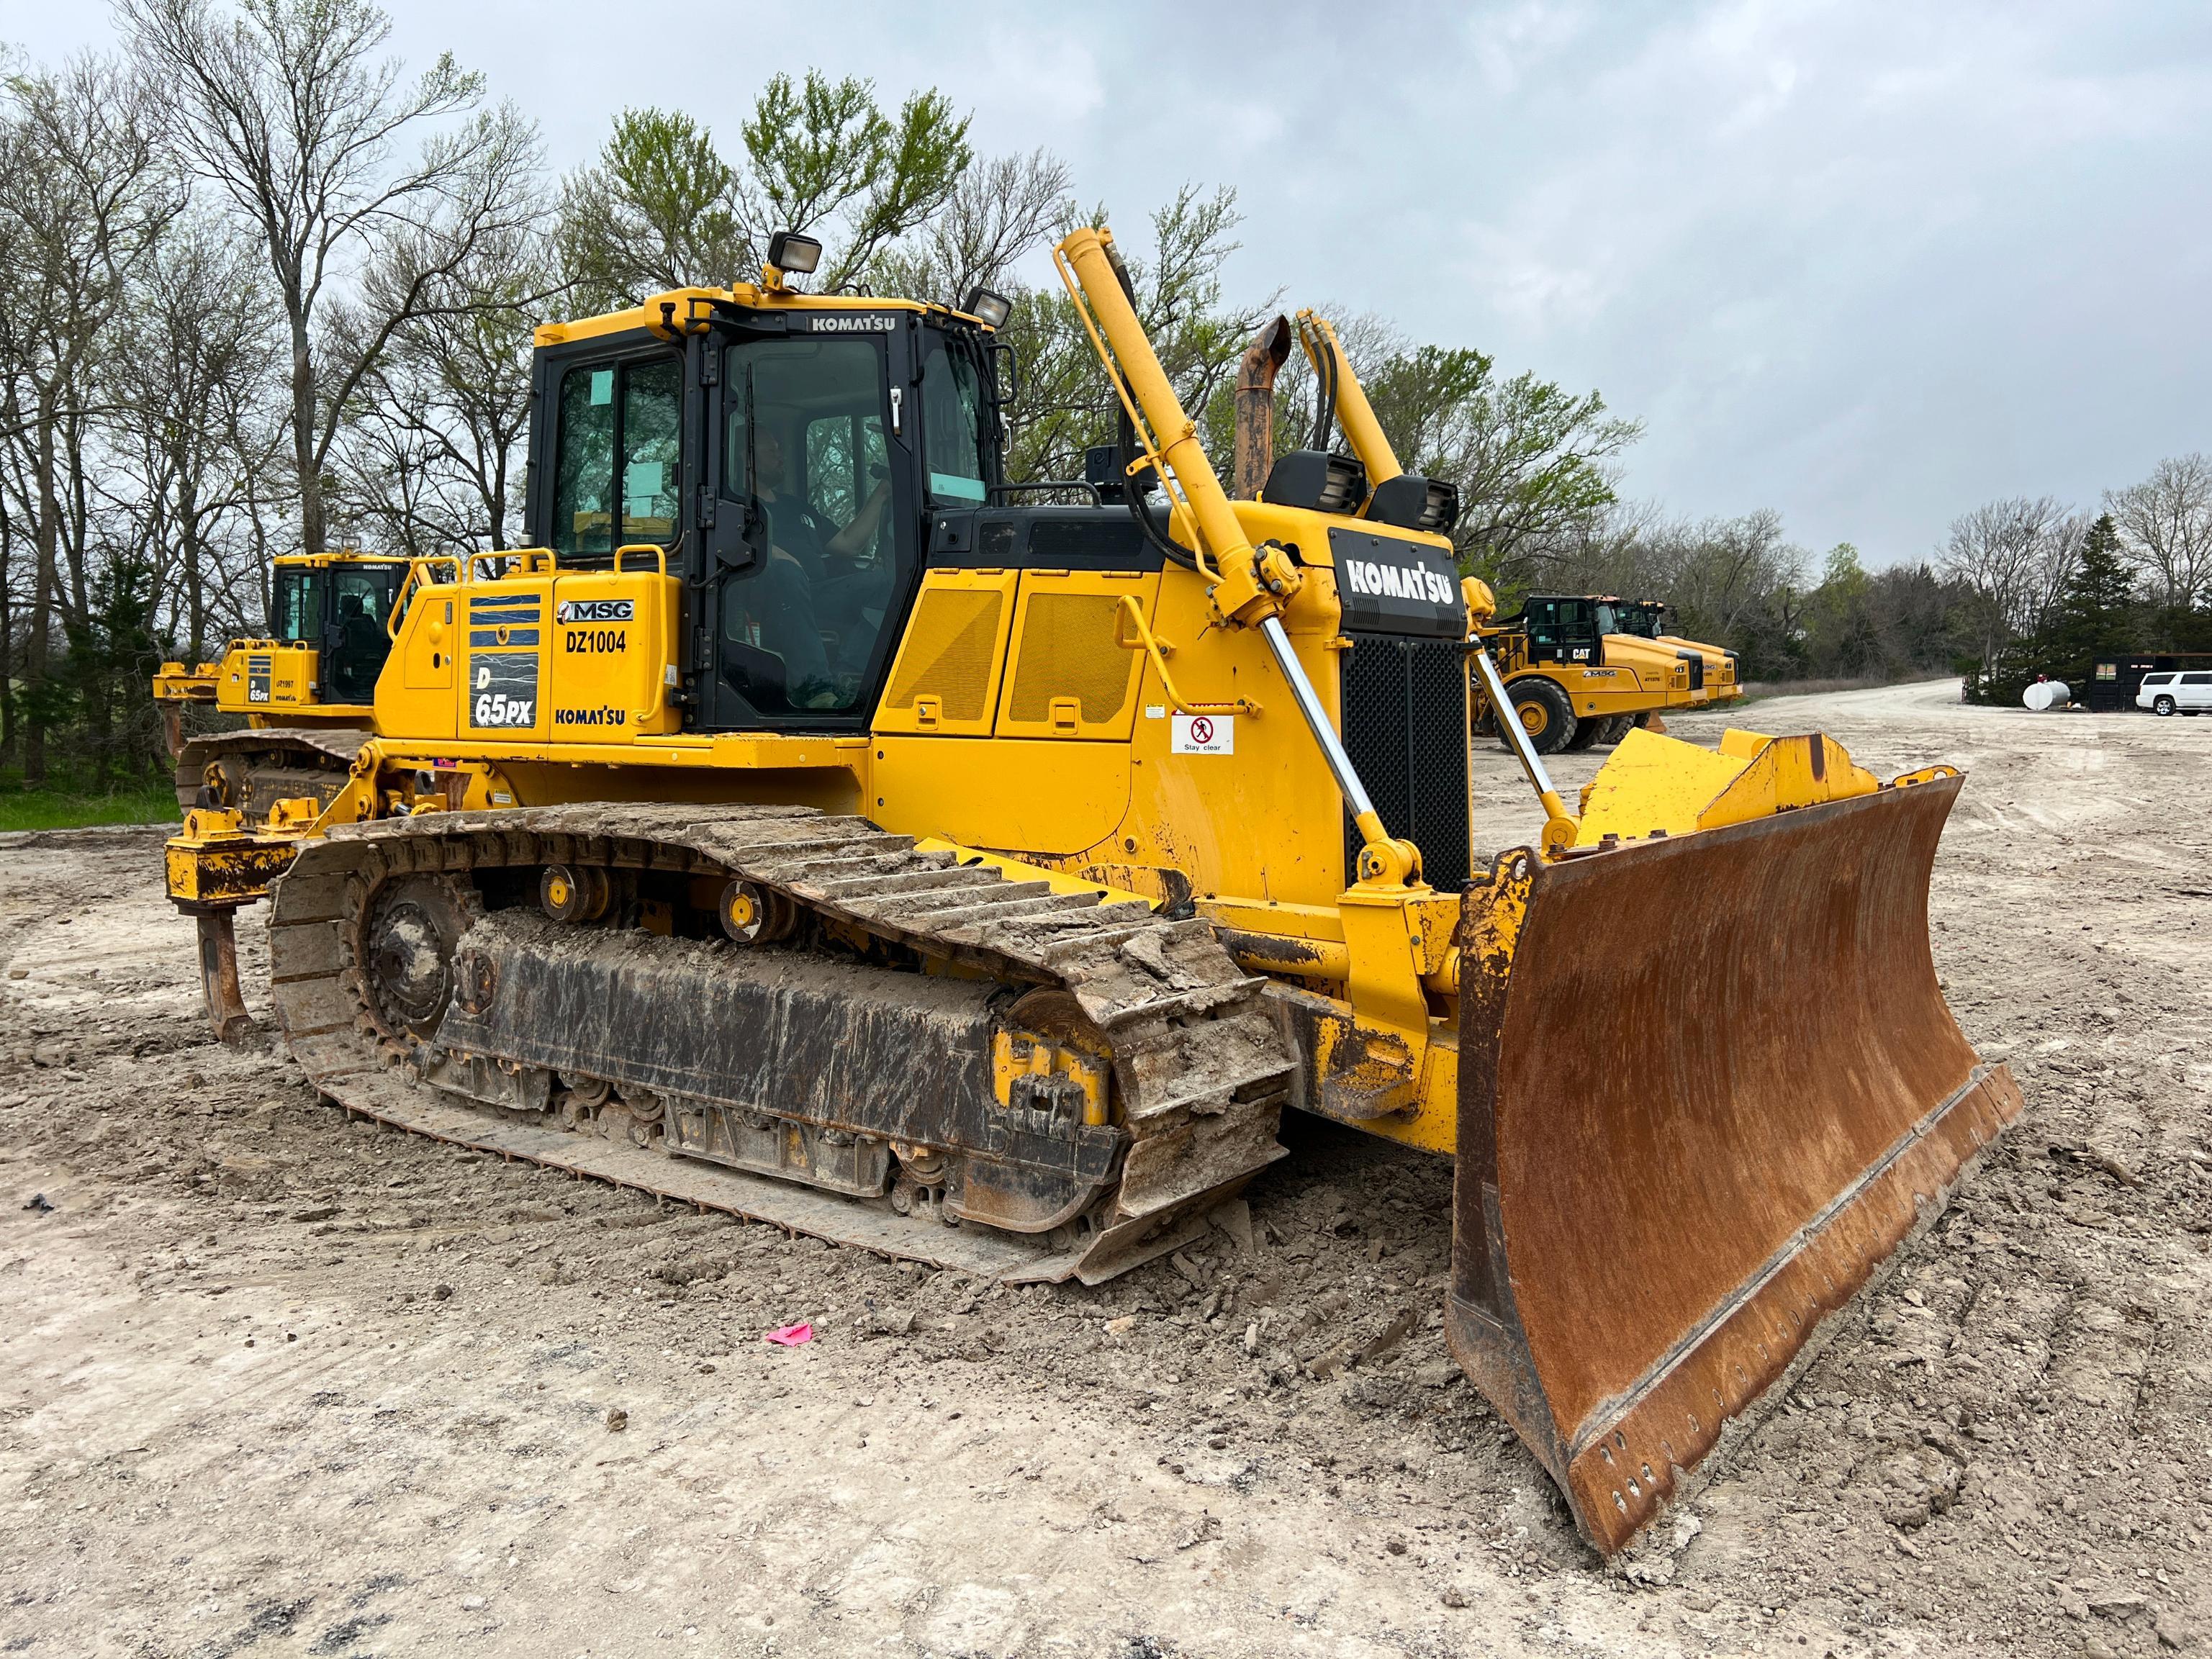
(952, 426)
(619, 440)
(296, 610)
(355, 644)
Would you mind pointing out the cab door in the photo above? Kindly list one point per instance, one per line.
(813, 541)
(1562, 630)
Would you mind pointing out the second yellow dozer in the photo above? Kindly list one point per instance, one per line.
(809, 831)
(307, 690)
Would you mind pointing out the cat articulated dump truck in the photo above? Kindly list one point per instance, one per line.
(1584, 671)
(1646, 619)
(1576, 673)
(808, 831)
(314, 678)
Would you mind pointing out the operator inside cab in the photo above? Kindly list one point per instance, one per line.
(818, 601)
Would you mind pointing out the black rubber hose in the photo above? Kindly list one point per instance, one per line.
(1324, 392)
(1134, 497)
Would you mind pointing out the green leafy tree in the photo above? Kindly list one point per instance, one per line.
(657, 211)
(662, 207)
(1841, 637)
(1066, 405)
(1532, 459)
(2098, 612)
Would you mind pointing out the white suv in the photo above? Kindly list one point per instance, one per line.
(2175, 693)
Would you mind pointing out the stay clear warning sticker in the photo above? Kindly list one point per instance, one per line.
(1203, 734)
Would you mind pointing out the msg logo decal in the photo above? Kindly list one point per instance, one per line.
(595, 611)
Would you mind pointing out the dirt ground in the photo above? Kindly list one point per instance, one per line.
(272, 1382)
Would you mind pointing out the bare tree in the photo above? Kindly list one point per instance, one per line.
(1000, 212)
(197, 385)
(433, 446)
(84, 198)
(287, 109)
(2166, 528)
(2014, 556)
(1725, 571)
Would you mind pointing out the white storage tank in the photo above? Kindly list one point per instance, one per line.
(2046, 695)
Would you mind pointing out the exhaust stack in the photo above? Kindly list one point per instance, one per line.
(1255, 408)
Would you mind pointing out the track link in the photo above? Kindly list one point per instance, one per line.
(1200, 1065)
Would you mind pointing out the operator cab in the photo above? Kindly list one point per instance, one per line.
(338, 604)
(1562, 628)
(1643, 619)
(796, 464)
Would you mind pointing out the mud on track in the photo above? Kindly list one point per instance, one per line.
(274, 1383)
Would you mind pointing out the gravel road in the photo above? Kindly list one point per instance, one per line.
(272, 1383)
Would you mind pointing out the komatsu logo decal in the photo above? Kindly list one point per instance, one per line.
(1396, 581)
(590, 717)
(842, 324)
(595, 611)
(1392, 585)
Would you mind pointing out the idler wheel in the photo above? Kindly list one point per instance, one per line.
(413, 927)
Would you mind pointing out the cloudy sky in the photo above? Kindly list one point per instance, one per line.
(1868, 264)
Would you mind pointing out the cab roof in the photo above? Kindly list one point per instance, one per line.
(681, 302)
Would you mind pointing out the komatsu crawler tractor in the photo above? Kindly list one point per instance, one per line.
(814, 827)
(313, 675)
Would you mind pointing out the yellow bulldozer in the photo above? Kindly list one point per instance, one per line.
(313, 677)
(814, 827)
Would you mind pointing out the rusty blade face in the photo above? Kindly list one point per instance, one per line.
(1707, 1085)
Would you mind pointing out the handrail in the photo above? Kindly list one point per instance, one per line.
(532, 559)
(1152, 647)
(415, 579)
(654, 548)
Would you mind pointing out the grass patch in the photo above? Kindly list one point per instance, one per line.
(67, 801)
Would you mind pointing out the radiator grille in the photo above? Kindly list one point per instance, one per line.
(1405, 727)
(948, 653)
(1068, 650)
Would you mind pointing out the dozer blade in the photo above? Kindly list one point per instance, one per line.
(1708, 1083)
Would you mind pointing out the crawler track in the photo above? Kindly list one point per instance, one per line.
(267, 764)
(1200, 1068)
